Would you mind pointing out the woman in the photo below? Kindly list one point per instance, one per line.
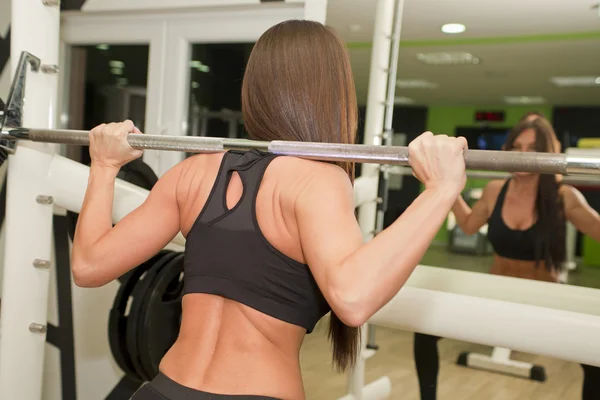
(272, 242)
(526, 226)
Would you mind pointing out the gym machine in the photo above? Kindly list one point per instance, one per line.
(201, 116)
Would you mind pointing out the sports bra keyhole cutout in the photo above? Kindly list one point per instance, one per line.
(234, 191)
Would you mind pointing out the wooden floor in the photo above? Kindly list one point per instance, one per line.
(394, 359)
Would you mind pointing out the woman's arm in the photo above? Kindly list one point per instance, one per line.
(470, 220)
(358, 279)
(579, 212)
(100, 252)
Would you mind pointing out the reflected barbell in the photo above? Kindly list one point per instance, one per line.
(571, 180)
(486, 160)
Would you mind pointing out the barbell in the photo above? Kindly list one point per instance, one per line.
(486, 160)
(11, 130)
(575, 180)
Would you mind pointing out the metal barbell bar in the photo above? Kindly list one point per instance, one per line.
(571, 180)
(487, 160)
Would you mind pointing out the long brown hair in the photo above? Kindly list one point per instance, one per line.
(550, 228)
(298, 86)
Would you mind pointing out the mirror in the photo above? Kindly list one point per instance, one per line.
(216, 71)
(477, 77)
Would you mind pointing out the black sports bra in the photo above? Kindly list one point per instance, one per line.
(227, 255)
(507, 242)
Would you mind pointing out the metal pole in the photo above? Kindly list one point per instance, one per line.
(374, 124)
(393, 69)
(487, 160)
(387, 135)
(29, 208)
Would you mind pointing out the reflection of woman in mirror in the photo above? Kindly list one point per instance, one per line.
(526, 217)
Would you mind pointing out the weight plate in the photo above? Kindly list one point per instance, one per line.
(160, 317)
(139, 173)
(139, 298)
(136, 172)
(118, 315)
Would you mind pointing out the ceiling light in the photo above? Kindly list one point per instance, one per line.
(116, 71)
(448, 58)
(415, 84)
(453, 28)
(524, 100)
(403, 100)
(116, 64)
(103, 47)
(564, 81)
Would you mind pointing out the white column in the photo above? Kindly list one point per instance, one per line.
(378, 77)
(374, 124)
(34, 28)
(315, 10)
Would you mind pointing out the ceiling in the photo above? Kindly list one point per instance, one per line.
(522, 44)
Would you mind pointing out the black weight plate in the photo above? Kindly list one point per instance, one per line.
(139, 173)
(160, 317)
(139, 298)
(117, 319)
(136, 172)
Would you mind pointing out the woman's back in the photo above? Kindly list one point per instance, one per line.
(226, 346)
(244, 315)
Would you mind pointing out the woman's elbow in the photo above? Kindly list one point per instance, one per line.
(351, 311)
(82, 279)
(353, 320)
(84, 276)
(469, 231)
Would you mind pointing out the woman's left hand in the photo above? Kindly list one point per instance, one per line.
(109, 146)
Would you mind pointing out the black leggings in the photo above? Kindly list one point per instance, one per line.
(427, 363)
(164, 388)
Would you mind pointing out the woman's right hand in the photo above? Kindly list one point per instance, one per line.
(109, 146)
(438, 161)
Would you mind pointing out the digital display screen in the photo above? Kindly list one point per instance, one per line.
(489, 116)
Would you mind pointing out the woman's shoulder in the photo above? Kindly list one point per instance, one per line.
(310, 170)
(313, 179)
(570, 194)
(493, 187)
(495, 184)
